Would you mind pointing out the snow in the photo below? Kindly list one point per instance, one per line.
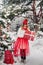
(36, 54)
(36, 51)
(36, 46)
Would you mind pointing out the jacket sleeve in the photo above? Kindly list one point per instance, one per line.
(20, 33)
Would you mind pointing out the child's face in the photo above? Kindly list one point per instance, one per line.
(25, 26)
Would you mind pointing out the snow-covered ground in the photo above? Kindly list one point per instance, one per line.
(36, 54)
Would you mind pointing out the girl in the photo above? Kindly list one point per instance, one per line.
(21, 46)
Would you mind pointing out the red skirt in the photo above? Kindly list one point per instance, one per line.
(21, 43)
(8, 58)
